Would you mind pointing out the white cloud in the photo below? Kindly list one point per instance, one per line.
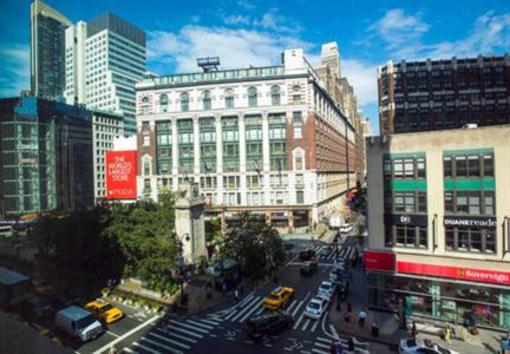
(15, 75)
(235, 47)
(363, 77)
(397, 27)
(490, 33)
(248, 5)
(271, 20)
(237, 20)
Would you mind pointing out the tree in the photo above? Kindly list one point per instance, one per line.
(255, 245)
(213, 235)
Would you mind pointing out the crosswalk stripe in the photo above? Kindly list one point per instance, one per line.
(245, 300)
(233, 309)
(210, 321)
(176, 335)
(230, 314)
(171, 341)
(136, 344)
(250, 312)
(323, 339)
(322, 345)
(201, 325)
(296, 325)
(201, 330)
(314, 327)
(260, 311)
(318, 351)
(157, 344)
(297, 308)
(130, 351)
(289, 309)
(305, 324)
(246, 308)
(193, 334)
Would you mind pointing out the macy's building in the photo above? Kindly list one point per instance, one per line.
(438, 212)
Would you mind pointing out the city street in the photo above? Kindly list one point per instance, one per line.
(224, 329)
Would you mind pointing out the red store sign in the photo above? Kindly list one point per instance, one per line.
(461, 273)
(381, 261)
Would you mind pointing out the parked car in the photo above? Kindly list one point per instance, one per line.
(316, 307)
(78, 323)
(308, 268)
(335, 274)
(38, 307)
(346, 228)
(269, 324)
(411, 346)
(326, 289)
(340, 263)
(104, 311)
(306, 255)
(278, 298)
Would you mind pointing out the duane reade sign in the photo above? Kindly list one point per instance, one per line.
(469, 221)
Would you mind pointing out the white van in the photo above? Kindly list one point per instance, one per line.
(78, 323)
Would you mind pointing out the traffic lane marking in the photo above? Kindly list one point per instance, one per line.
(107, 346)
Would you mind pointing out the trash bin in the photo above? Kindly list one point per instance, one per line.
(375, 330)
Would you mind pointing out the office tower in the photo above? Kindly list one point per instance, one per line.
(443, 94)
(47, 66)
(105, 57)
(45, 156)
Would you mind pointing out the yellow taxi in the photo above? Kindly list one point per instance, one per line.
(278, 298)
(104, 311)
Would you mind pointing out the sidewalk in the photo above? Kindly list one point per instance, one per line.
(388, 323)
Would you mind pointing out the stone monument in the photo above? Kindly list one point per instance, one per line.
(189, 222)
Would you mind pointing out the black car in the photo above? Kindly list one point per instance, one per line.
(38, 307)
(308, 268)
(269, 324)
(306, 255)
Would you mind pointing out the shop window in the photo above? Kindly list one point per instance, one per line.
(490, 241)
(422, 237)
(450, 239)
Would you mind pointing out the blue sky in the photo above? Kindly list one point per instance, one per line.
(250, 32)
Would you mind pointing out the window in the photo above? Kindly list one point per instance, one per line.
(462, 203)
(206, 100)
(447, 166)
(422, 202)
(252, 97)
(474, 203)
(461, 166)
(275, 95)
(298, 125)
(409, 168)
(472, 239)
(448, 202)
(184, 102)
(420, 166)
(300, 197)
(488, 166)
(229, 98)
(473, 166)
(398, 168)
(146, 140)
(488, 203)
(387, 168)
(299, 163)
(146, 166)
(163, 101)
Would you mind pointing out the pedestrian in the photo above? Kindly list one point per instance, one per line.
(236, 295)
(347, 316)
(447, 334)
(362, 315)
(112, 350)
(414, 330)
(224, 288)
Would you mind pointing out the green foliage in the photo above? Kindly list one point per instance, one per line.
(125, 240)
(255, 245)
(213, 234)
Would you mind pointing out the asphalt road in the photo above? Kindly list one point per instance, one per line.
(223, 331)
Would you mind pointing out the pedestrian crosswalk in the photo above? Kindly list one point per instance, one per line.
(322, 345)
(173, 336)
(346, 252)
(253, 305)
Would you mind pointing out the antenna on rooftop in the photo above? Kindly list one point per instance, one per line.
(208, 64)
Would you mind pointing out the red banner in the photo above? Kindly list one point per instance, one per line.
(120, 174)
(463, 273)
(383, 261)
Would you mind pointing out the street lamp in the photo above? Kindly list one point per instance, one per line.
(181, 263)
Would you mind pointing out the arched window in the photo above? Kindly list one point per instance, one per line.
(163, 102)
(145, 99)
(275, 95)
(252, 97)
(184, 102)
(229, 98)
(206, 99)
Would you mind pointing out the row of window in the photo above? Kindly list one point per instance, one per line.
(405, 202)
(461, 239)
(206, 98)
(405, 168)
(469, 202)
